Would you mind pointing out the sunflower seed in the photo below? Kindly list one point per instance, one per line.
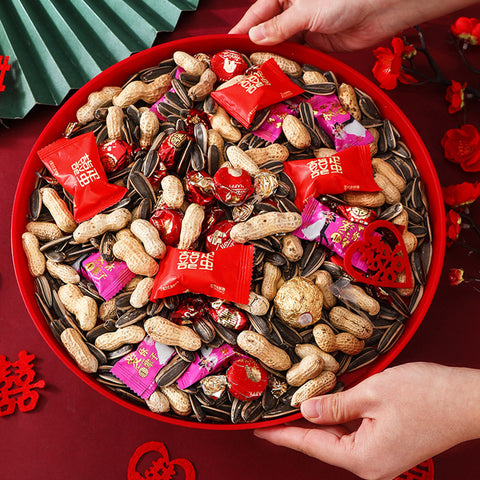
(171, 372)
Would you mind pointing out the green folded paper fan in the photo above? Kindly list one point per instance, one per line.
(56, 45)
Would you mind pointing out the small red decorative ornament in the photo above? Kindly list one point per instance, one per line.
(162, 468)
(16, 384)
(454, 222)
(455, 276)
(461, 194)
(455, 96)
(384, 262)
(467, 29)
(423, 471)
(388, 68)
(462, 146)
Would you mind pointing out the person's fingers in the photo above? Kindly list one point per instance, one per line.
(279, 28)
(328, 446)
(336, 408)
(259, 12)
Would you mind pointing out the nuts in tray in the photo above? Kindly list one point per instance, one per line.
(224, 236)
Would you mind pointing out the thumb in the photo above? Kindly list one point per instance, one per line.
(279, 28)
(336, 408)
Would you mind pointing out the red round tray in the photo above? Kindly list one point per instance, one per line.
(116, 75)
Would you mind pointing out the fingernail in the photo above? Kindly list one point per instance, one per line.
(257, 33)
(311, 409)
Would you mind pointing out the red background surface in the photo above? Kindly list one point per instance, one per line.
(77, 433)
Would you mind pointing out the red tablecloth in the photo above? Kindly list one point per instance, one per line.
(77, 433)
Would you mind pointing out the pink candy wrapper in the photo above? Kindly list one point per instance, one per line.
(340, 126)
(139, 368)
(209, 361)
(271, 128)
(321, 224)
(108, 277)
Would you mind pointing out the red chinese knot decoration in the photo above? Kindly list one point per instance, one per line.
(16, 384)
(385, 263)
(162, 468)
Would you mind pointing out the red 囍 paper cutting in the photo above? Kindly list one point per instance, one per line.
(17, 388)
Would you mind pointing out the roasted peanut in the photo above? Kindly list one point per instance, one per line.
(348, 100)
(131, 251)
(364, 199)
(313, 77)
(63, 272)
(401, 278)
(259, 347)
(102, 223)
(292, 247)
(350, 322)
(78, 350)
(307, 349)
(220, 121)
(385, 169)
(290, 67)
(114, 123)
(295, 132)
(191, 226)
(141, 294)
(271, 276)
(149, 126)
(410, 241)
(323, 280)
(178, 400)
(274, 152)
(44, 231)
(148, 92)
(309, 367)
(401, 219)
(164, 331)
(84, 308)
(324, 152)
(58, 209)
(158, 402)
(190, 64)
(374, 144)
(35, 258)
(262, 226)
(327, 341)
(112, 340)
(391, 194)
(172, 191)
(362, 300)
(96, 100)
(204, 86)
(239, 159)
(320, 385)
(107, 310)
(150, 238)
(257, 304)
(214, 138)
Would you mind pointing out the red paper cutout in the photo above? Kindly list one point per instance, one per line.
(423, 471)
(16, 387)
(4, 68)
(161, 469)
(384, 262)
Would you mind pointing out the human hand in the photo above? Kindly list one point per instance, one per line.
(339, 25)
(390, 422)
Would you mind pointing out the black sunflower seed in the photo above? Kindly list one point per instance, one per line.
(171, 372)
(391, 335)
(131, 317)
(367, 356)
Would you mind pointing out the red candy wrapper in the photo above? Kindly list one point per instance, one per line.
(138, 369)
(218, 236)
(247, 379)
(171, 147)
(232, 185)
(228, 64)
(361, 215)
(190, 309)
(114, 155)
(76, 164)
(227, 315)
(350, 170)
(224, 274)
(266, 86)
(199, 188)
(168, 222)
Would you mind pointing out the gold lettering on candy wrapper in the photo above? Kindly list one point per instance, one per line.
(334, 110)
(254, 81)
(176, 140)
(84, 171)
(195, 261)
(325, 166)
